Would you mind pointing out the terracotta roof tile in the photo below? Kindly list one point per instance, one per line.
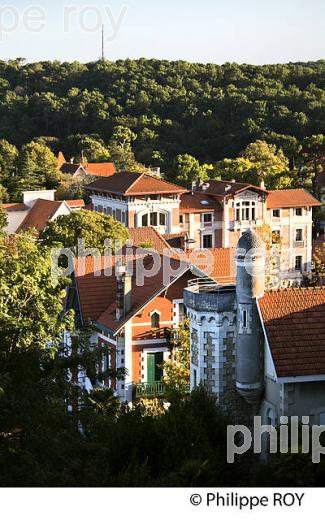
(217, 263)
(295, 324)
(140, 236)
(198, 203)
(97, 292)
(75, 203)
(100, 169)
(222, 189)
(15, 206)
(40, 214)
(290, 199)
(132, 183)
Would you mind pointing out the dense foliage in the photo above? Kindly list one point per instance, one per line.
(245, 122)
(91, 227)
(209, 111)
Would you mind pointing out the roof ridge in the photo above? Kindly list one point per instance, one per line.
(140, 175)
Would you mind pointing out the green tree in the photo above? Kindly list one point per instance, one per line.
(187, 169)
(177, 371)
(37, 168)
(93, 227)
(121, 151)
(8, 157)
(313, 153)
(269, 163)
(3, 219)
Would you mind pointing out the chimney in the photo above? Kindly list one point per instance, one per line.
(262, 185)
(193, 187)
(124, 291)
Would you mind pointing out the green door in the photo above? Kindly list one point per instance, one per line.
(154, 372)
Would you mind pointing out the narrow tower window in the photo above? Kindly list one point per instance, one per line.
(245, 319)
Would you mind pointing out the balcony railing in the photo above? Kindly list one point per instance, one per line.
(299, 243)
(152, 390)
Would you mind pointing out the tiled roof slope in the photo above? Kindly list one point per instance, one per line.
(132, 183)
(290, 199)
(196, 203)
(98, 293)
(140, 236)
(15, 206)
(222, 189)
(75, 203)
(69, 168)
(40, 214)
(295, 324)
(100, 169)
(217, 263)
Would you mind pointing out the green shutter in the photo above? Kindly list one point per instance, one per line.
(151, 368)
(154, 372)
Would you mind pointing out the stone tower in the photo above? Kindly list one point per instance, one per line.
(250, 285)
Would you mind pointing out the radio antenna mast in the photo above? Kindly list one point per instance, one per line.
(103, 42)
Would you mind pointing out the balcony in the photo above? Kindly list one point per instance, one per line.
(299, 243)
(173, 336)
(152, 390)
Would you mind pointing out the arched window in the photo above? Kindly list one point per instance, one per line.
(155, 320)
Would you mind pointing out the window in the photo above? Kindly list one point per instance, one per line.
(298, 263)
(246, 210)
(207, 241)
(276, 213)
(298, 235)
(162, 219)
(181, 219)
(155, 320)
(276, 237)
(298, 212)
(181, 311)
(153, 219)
(207, 218)
(245, 319)
(195, 378)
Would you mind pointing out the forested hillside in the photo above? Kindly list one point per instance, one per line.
(243, 122)
(208, 111)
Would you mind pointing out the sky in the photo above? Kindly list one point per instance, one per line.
(215, 31)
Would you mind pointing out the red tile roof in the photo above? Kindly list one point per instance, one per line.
(132, 183)
(222, 189)
(198, 203)
(290, 199)
(15, 206)
(217, 263)
(97, 294)
(80, 203)
(61, 159)
(40, 214)
(140, 236)
(100, 169)
(295, 325)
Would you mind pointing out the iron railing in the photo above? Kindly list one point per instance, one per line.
(153, 389)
